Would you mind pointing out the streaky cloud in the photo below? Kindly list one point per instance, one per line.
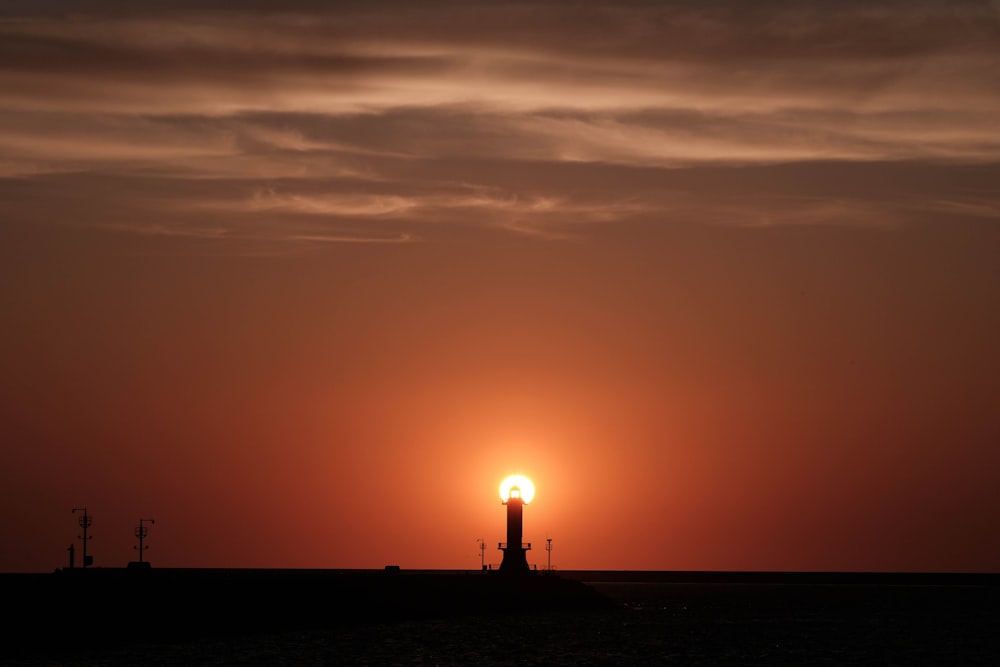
(355, 112)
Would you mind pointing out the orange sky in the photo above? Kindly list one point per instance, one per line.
(304, 286)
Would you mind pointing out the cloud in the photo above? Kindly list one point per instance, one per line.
(388, 93)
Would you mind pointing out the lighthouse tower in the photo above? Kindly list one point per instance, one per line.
(515, 558)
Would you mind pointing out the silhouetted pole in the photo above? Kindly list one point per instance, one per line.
(85, 522)
(482, 553)
(141, 532)
(548, 547)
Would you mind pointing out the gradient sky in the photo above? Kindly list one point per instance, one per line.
(722, 278)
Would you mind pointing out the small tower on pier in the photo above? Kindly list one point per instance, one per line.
(515, 559)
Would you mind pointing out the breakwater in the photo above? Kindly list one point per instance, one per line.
(96, 607)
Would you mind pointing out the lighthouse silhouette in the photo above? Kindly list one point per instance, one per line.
(515, 560)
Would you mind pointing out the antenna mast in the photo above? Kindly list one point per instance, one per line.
(141, 531)
(85, 522)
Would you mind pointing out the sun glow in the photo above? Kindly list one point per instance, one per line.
(515, 486)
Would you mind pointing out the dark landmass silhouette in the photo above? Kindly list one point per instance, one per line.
(102, 607)
(57, 615)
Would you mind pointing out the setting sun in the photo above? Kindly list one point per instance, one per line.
(517, 483)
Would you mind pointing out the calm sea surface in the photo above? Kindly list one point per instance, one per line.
(653, 624)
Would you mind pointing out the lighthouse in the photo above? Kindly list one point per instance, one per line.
(515, 493)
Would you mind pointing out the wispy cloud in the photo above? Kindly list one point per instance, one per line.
(360, 94)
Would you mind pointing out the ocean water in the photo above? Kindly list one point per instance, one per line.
(650, 624)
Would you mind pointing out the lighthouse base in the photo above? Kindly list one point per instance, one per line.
(515, 561)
